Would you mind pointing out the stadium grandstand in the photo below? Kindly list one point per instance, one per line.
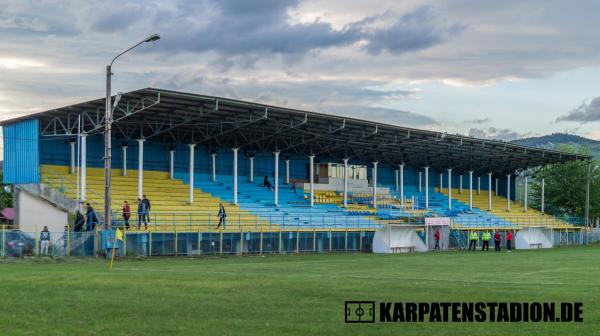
(289, 180)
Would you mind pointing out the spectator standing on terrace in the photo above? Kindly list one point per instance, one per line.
(142, 214)
(126, 214)
(486, 237)
(473, 237)
(497, 239)
(436, 236)
(266, 183)
(222, 215)
(44, 241)
(91, 217)
(147, 207)
(79, 221)
(509, 238)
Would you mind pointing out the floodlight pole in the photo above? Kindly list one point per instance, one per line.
(108, 119)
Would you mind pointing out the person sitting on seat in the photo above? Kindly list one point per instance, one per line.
(266, 183)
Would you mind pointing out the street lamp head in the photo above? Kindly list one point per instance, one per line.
(152, 38)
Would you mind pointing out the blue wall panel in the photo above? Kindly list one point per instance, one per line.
(21, 152)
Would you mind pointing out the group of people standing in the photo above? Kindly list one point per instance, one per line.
(486, 236)
(143, 212)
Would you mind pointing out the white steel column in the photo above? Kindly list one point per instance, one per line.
(345, 183)
(251, 169)
(426, 187)
(470, 190)
(140, 168)
(449, 188)
(235, 175)
(525, 191)
(214, 165)
(420, 189)
(311, 159)
(542, 202)
(478, 185)
(172, 164)
(460, 188)
(83, 166)
(276, 179)
(124, 170)
(72, 168)
(402, 184)
(191, 196)
(396, 182)
(496, 186)
(490, 191)
(508, 192)
(375, 184)
(287, 171)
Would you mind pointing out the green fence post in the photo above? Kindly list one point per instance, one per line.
(360, 234)
(314, 240)
(346, 241)
(330, 239)
(297, 241)
(150, 247)
(3, 241)
(176, 243)
(241, 241)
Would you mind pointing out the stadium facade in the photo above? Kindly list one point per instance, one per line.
(190, 152)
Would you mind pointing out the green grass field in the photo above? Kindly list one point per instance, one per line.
(288, 294)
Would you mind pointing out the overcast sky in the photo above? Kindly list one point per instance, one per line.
(499, 69)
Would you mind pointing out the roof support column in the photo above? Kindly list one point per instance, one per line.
(191, 194)
(496, 186)
(345, 183)
(507, 192)
(287, 171)
(426, 187)
(375, 184)
(450, 188)
(276, 179)
(543, 196)
(140, 168)
(235, 174)
(172, 164)
(460, 187)
(526, 195)
(396, 182)
(83, 166)
(251, 176)
(478, 185)
(490, 191)
(72, 168)
(420, 181)
(402, 184)
(470, 190)
(214, 165)
(124, 169)
(311, 173)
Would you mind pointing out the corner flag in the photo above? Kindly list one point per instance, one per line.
(118, 236)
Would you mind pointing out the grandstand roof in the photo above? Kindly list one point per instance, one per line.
(178, 117)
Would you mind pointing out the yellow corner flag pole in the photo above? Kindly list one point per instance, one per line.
(118, 236)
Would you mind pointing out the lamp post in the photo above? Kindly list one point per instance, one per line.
(108, 118)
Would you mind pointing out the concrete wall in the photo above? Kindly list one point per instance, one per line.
(32, 212)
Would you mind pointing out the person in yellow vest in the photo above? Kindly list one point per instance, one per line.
(486, 237)
(473, 237)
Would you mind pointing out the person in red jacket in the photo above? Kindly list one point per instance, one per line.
(509, 238)
(436, 236)
(126, 214)
(497, 239)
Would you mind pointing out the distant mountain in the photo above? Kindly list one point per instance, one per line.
(553, 140)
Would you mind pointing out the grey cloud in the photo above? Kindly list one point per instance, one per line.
(478, 120)
(414, 31)
(586, 112)
(493, 133)
(117, 18)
